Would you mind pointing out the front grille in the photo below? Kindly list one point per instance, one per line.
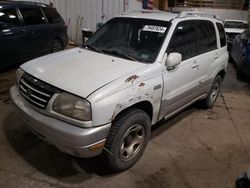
(36, 92)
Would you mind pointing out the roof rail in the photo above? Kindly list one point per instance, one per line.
(195, 13)
(29, 3)
(142, 11)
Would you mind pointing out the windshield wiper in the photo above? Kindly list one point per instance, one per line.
(114, 52)
(92, 48)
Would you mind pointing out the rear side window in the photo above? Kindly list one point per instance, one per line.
(32, 16)
(222, 34)
(8, 19)
(206, 37)
(52, 15)
(183, 40)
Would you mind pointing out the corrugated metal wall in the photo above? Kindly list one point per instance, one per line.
(86, 13)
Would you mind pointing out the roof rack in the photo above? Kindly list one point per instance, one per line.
(29, 3)
(195, 13)
(142, 11)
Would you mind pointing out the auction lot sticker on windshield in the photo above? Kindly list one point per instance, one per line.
(154, 28)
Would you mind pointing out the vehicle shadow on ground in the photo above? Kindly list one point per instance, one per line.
(51, 162)
(234, 82)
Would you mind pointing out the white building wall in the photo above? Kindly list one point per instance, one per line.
(92, 12)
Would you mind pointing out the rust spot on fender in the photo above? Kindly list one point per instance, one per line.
(141, 84)
(132, 78)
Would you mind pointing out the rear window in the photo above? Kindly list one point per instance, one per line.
(52, 15)
(222, 34)
(236, 24)
(32, 16)
(8, 18)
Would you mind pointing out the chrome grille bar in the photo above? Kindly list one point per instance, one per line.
(36, 92)
(27, 85)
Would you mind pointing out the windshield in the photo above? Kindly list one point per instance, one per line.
(130, 38)
(234, 24)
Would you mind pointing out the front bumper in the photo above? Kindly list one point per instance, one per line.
(66, 137)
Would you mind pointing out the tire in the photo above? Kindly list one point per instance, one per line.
(127, 140)
(57, 46)
(213, 93)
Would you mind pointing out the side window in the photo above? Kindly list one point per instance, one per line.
(52, 15)
(206, 37)
(222, 34)
(183, 40)
(8, 19)
(32, 16)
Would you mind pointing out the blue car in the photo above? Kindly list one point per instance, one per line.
(240, 53)
(29, 30)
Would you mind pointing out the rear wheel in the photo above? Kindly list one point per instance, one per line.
(213, 93)
(57, 46)
(127, 140)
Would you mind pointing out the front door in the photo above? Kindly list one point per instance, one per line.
(181, 84)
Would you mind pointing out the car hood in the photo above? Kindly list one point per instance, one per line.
(80, 71)
(234, 30)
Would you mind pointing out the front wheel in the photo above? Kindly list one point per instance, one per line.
(213, 93)
(127, 140)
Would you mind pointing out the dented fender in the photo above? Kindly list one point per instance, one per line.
(144, 85)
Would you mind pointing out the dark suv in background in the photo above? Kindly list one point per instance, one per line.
(29, 30)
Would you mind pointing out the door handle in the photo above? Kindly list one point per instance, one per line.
(216, 56)
(195, 65)
(22, 31)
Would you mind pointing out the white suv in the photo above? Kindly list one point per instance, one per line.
(139, 68)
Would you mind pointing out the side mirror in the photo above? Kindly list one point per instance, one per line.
(173, 60)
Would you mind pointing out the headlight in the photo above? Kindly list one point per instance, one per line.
(72, 106)
(19, 74)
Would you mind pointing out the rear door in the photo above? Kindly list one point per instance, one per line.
(12, 36)
(207, 52)
(56, 25)
(38, 35)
